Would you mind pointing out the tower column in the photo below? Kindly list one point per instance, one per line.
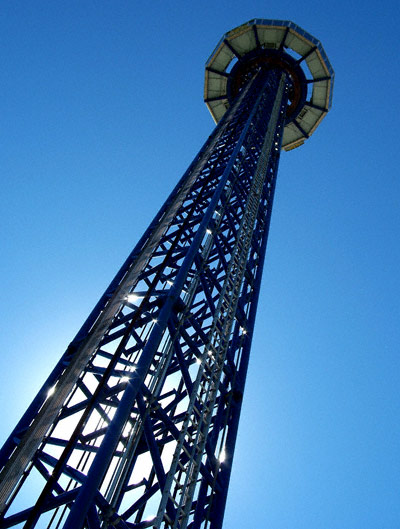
(136, 425)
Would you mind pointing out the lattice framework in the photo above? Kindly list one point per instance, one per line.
(136, 426)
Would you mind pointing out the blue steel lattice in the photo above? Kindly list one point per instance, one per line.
(136, 426)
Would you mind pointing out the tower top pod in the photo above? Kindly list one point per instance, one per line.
(263, 43)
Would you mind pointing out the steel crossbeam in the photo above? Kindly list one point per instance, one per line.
(137, 424)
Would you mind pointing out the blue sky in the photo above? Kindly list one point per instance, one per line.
(101, 112)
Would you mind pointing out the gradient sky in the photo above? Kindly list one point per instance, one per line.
(101, 112)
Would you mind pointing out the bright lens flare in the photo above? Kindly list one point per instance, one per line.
(132, 298)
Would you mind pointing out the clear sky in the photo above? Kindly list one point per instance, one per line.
(101, 112)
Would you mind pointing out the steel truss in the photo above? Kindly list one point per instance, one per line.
(136, 425)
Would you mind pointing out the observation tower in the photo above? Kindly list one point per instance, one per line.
(136, 425)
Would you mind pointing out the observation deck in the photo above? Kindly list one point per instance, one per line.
(263, 43)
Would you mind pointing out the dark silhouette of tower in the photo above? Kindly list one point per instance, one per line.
(136, 425)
